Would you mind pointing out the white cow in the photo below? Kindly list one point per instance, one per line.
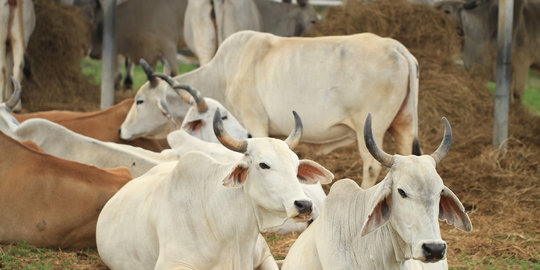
(17, 22)
(198, 119)
(189, 215)
(208, 23)
(333, 81)
(382, 227)
(59, 141)
(182, 142)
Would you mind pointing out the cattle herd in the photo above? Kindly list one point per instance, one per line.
(185, 176)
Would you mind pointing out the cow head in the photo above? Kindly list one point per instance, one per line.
(270, 174)
(478, 23)
(198, 120)
(411, 198)
(150, 115)
(307, 17)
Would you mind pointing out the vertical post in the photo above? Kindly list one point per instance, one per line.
(109, 54)
(502, 83)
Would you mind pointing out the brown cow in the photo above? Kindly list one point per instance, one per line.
(478, 20)
(102, 125)
(51, 202)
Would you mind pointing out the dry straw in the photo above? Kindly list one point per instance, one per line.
(57, 45)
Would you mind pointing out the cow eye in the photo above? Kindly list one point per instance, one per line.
(140, 102)
(402, 193)
(264, 166)
(224, 117)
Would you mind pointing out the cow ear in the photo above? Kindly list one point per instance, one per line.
(380, 212)
(311, 172)
(164, 108)
(237, 177)
(193, 126)
(451, 210)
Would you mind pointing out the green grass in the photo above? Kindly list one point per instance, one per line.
(504, 262)
(92, 68)
(25, 256)
(531, 99)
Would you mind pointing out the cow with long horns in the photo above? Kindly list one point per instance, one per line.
(185, 214)
(382, 227)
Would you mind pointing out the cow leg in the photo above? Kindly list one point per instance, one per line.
(402, 131)
(202, 30)
(371, 167)
(170, 64)
(4, 17)
(520, 74)
(128, 80)
(118, 71)
(17, 42)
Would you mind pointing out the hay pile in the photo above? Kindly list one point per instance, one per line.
(58, 43)
(500, 191)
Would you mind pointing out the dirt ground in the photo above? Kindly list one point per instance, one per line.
(500, 191)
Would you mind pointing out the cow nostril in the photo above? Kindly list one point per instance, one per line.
(249, 136)
(119, 131)
(434, 252)
(303, 206)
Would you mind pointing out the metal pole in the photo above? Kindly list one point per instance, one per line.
(109, 54)
(502, 83)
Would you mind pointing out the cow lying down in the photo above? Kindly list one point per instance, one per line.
(200, 213)
(382, 227)
(51, 202)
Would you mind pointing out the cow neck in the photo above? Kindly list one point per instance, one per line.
(386, 248)
(225, 210)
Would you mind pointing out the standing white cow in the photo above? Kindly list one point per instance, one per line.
(333, 81)
(189, 215)
(17, 22)
(382, 227)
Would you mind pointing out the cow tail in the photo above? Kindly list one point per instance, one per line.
(412, 97)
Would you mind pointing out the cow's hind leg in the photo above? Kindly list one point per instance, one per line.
(402, 129)
(371, 167)
(16, 37)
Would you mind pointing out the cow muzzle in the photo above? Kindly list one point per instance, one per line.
(305, 210)
(430, 251)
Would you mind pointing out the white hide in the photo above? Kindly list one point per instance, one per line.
(59, 141)
(181, 143)
(380, 228)
(156, 222)
(332, 82)
(16, 25)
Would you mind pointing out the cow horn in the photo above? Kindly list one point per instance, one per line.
(170, 81)
(381, 156)
(15, 96)
(226, 139)
(196, 94)
(149, 73)
(441, 152)
(294, 138)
